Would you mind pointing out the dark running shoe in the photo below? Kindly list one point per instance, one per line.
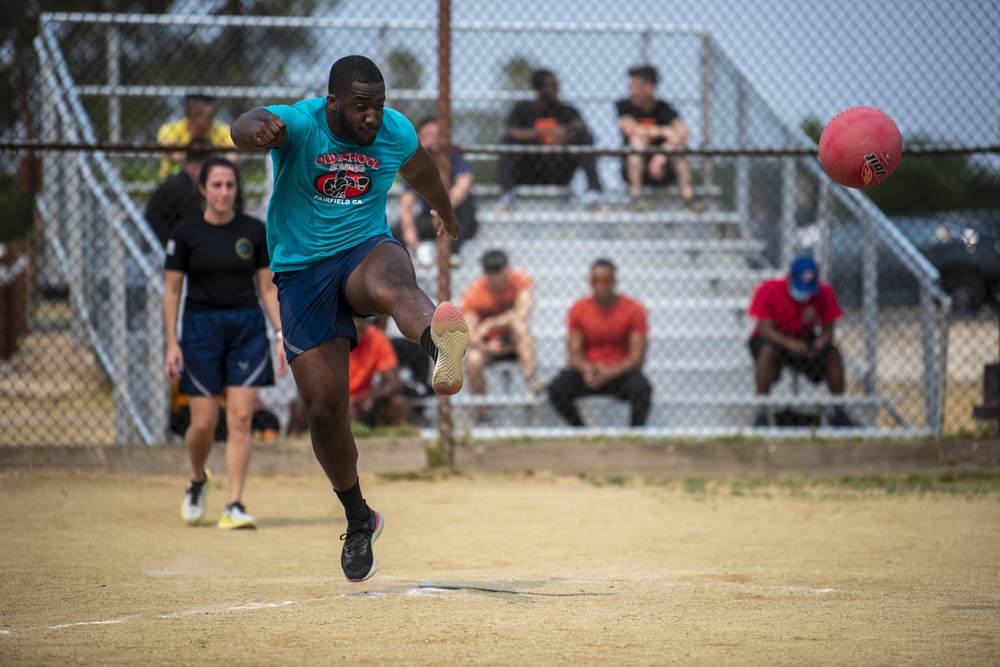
(358, 558)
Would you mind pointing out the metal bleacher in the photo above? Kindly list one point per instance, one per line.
(695, 273)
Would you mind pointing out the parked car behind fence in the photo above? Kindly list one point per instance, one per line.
(965, 250)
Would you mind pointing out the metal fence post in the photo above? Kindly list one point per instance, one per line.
(118, 312)
(787, 210)
(869, 302)
(114, 80)
(707, 99)
(158, 389)
(933, 385)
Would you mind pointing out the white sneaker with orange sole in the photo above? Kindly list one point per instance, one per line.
(450, 333)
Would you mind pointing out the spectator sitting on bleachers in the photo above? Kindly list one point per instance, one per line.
(412, 229)
(795, 317)
(497, 306)
(376, 397)
(546, 121)
(606, 349)
(647, 121)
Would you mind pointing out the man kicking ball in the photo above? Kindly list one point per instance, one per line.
(333, 257)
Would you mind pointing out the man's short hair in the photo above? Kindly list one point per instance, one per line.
(197, 98)
(539, 76)
(494, 261)
(647, 73)
(350, 70)
(605, 262)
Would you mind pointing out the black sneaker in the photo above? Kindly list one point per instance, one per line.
(760, 420)
(357, 558)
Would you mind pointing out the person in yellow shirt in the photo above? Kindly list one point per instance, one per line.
(198, 123)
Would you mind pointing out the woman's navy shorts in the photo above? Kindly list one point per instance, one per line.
(224, 348)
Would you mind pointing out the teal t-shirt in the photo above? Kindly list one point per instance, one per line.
(329, 193)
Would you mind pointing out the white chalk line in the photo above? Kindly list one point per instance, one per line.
(215, 609)
(427, 591)
(111, 621)
(247, 606)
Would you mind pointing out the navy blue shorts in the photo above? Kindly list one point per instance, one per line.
(224, 348)
(313, 300)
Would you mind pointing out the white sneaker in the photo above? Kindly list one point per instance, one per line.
(450, 333)
(236, 516)
(193, 508)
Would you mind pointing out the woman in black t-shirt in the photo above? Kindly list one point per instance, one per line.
(223, 346)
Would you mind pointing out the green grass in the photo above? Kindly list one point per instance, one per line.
(969, 484)
(359, 430)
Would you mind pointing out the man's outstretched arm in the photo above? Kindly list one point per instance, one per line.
(258, 129)
(421, 172)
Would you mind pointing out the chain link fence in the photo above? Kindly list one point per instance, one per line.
(914, 261)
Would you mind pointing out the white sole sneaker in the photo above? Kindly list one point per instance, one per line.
(194, 512)
(235, 518)
(450, 333)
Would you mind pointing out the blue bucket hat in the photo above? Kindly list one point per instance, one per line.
(803, 278)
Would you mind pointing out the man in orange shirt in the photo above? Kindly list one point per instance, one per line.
(375, 389)
(497, 306)
(607, 347)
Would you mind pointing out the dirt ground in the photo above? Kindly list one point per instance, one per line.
(497, 569)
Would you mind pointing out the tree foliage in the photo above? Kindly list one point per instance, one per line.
(403, 69)
(516, 73)
(150, 54)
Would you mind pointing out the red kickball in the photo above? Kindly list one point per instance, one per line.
(860, 147)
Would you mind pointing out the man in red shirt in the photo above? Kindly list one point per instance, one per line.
(607, 347)
(497, 306)
(375, 389)
(795, 318)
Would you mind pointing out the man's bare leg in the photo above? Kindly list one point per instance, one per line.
(321, 375)
(385, 283)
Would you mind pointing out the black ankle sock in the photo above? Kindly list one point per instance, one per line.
(354, 503)
(428, 343)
